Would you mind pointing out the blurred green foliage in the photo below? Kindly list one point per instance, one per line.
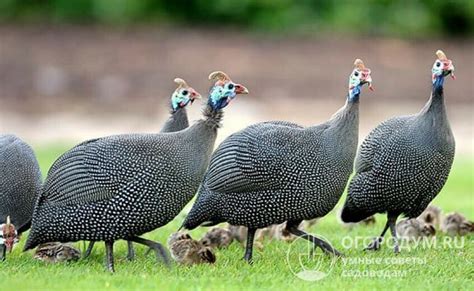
(372, 17)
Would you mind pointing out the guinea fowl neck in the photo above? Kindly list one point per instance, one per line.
(435, 104)
(178, 120)
(348, 114)
(212, 116)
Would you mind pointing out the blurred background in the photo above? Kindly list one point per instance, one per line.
(71, 70)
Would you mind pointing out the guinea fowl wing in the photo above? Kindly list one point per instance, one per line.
(373, 144)
(255, 159)
(96, 170)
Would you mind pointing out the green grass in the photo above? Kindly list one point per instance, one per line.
(437, 268)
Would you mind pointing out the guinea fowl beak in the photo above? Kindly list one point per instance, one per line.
(368, 81)
(194, 95)
(239, 89)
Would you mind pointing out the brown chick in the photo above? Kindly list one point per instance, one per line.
(456, 224)
(414, 229)
(55, 252)
(217, 238)
(431, 215)
(187, 251)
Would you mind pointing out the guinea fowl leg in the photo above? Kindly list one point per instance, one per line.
(156, 247)
(375, 244)
(292, 227)
(3, 251)
(249, 247)
(131, 251)
(392, 222)
(88, 252)
(109, 251)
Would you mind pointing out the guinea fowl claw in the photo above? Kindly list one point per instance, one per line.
(374, 245)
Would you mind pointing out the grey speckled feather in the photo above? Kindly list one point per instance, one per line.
(272, 172)
(20, 180)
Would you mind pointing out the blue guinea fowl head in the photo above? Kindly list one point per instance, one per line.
(442, 67)
(183, 95)
(359, 76)
(223, 90)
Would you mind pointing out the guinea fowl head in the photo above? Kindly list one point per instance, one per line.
(359, 76)
(183, 95)
(442, 67)
(8, 234)
(223, 90)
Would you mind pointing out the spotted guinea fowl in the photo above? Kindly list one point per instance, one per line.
(273, 172)
(122, 186)
(178, 120)
(404, 162)
(20, 184)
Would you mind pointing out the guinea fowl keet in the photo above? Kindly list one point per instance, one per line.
(20, 184)
(431, 215)
(404, 162)
(187, 251)
(414, 229)
(55, 252)
(273, 172)
(122, 186)
(457, 224)
(178, 120)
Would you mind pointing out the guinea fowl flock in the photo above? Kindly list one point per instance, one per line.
(271, 179)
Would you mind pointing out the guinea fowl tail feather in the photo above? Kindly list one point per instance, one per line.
(203, 212)
(351, 213)
(32, 241)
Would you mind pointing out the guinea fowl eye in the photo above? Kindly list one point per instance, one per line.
(230, 86)
(356, 74)
(185, 92)
(438, 64)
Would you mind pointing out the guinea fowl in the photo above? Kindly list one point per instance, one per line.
(404, 162)
(273, 172)
(414, 229)
(20, 184)
(55, 252)
(181, 97)
(217, 238)
(122, 186)
(431, 215)
(187, 251)
(457, 224)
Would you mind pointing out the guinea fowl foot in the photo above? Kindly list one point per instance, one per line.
(396, 249)
(109, 252)
(88, 251)
(323, 245)
(156, 247)
(374, 245)
(131, 251)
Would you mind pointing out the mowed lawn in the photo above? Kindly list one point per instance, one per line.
(445, 265)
